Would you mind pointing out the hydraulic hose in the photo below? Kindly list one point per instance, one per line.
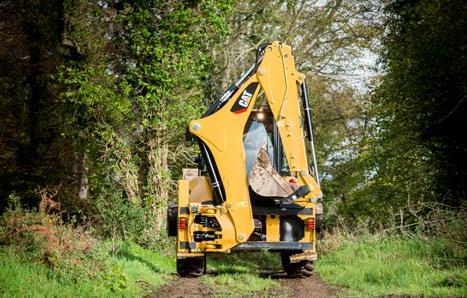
(309, 128)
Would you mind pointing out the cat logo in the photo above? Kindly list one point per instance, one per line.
(243, 101)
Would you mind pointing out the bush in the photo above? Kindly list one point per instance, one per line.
(117, 218)
(42, 256)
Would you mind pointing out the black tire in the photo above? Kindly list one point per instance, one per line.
(191, 267)
(299, 269)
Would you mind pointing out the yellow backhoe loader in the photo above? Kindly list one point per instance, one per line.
(256, 186)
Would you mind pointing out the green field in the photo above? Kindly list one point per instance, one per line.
(366, 267)
(376, 265)
(42, 257)
(132, 271)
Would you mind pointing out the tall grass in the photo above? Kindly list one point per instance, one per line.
(42, 257)
(429, 258)
(375, 265)
(132, 273)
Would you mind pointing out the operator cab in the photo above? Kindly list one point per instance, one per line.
(261, 130)
(261, 133)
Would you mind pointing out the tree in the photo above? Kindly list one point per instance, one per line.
(30, 143)
(425, 88)
(329, 40)
(415, 150)
(131, 97)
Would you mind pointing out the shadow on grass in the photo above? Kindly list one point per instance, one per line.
(126, 253)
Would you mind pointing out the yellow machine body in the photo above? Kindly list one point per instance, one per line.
(222, 132)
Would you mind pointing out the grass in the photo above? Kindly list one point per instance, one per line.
(41, 257)
(376, 265)
(241, 274)
(133, 271)
(126, 271)
(365, 266)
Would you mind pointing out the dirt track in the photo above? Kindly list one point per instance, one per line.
(184, 287)
(310, 287)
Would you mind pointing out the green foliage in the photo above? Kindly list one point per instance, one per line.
(41, 257)
(70, 262)
(120, 218)
(127, 99)
(420, 101)
(386, 265)
(96, 98)
(102, 101)
(100, 274)
(410, 149)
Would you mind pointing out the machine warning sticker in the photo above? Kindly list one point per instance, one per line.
(242, 102)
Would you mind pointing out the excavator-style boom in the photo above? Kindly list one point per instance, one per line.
(254, 187)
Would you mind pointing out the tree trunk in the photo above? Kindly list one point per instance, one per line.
(128, 176)
(83, 183)
(158, 179)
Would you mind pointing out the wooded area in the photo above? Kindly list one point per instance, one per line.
(95, 99)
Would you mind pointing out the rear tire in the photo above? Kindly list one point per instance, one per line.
(191, 266)
(303, 268)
